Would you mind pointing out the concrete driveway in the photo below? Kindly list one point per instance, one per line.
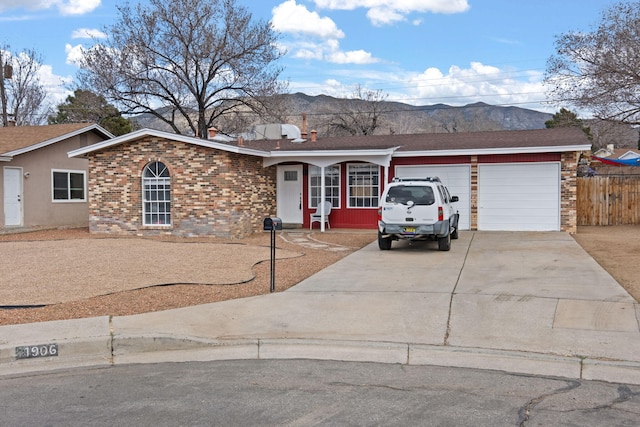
(520, 302)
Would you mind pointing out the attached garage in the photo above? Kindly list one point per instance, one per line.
(519, 197)
(457, 178)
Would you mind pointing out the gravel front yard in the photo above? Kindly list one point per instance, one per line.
(79, 275)
(75, 274)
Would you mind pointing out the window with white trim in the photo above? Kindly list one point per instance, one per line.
(68, 186)
(363, 180)
(331, 185)
(156, 194)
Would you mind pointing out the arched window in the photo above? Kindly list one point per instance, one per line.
(156, 194)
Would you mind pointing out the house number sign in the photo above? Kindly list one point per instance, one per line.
(31, 351)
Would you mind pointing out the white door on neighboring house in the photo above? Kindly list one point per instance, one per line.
(12, 196)
(289, 194)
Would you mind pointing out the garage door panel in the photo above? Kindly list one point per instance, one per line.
(520, 205)
(523, 196)
(457, 178)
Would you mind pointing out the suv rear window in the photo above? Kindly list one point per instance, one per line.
(421, 195)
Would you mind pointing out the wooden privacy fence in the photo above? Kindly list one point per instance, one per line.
(609, 200)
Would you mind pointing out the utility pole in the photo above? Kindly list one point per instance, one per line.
(6, 72)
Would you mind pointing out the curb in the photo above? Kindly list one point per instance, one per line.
(108, 349)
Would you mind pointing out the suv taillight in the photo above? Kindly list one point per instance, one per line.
(379, 214)
(440, 213)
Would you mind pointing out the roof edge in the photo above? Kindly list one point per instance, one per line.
(489, 151)
(67, 135)
(161, 134)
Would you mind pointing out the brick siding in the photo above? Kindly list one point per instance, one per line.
(569, 192)
(213, 192)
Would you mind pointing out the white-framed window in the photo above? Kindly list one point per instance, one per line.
(68, 185)
(363, 181)
(156, 195)
(331, 185)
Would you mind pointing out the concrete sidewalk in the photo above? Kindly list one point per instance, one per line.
(520, 302)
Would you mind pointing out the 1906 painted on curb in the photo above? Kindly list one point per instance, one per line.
(31, 351)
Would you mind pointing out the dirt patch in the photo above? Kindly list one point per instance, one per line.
(85, 268)
(617, 250)
(307, 254)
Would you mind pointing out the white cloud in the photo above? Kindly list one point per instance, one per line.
(385, 12)
(88, 33)
(479, 82)
(74, 53)
(290, 17)
(56, 86)
(77, 7)
(351, 57)
(65, 7)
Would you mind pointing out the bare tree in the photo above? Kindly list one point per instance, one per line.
(598, 71)
(361, 115)
(21, 91)
(619, 135)
(192, 60)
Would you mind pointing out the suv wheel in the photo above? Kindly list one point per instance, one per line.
(454, 233)
(384, 243)
(444, 243)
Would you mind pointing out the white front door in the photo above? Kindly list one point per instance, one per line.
(289, 197)
(12, 196)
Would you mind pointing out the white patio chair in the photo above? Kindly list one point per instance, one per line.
(317, 216)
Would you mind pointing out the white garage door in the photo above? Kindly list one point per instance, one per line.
(457, 178)
(519, 197)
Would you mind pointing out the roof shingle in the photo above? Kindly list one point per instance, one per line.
(18, 137)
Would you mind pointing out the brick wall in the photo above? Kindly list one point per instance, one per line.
(569, 192)
(213, 192)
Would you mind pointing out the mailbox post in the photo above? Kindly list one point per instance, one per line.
(272, 224)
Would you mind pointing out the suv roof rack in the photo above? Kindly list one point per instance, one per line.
(425, 178)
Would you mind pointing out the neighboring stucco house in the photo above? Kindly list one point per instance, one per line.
(152, 182)
(40, 186)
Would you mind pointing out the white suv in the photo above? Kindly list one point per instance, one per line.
(417, 209)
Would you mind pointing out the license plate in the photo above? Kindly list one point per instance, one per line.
(410, 230)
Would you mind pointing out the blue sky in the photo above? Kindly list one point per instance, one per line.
(421, 52)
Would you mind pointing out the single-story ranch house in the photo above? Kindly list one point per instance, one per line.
(40, 186)
(152, 182)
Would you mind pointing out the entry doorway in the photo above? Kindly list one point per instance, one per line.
(289, 194)
(12, 179)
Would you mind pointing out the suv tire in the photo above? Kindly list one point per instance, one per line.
(384, 243)
(454, 233)
(444, 243)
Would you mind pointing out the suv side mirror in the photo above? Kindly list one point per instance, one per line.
(454, 198)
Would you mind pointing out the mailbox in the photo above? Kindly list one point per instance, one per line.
(272, 223)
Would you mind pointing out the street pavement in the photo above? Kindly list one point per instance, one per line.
(533, 303)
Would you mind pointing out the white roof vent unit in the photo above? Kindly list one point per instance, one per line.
(276, 131)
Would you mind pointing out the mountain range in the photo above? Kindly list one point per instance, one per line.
(392, 117)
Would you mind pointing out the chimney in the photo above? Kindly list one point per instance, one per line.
(314, 135)
(240, 141)
(303, 134)
(212, 132)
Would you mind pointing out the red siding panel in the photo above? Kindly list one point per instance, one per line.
(520, 158)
